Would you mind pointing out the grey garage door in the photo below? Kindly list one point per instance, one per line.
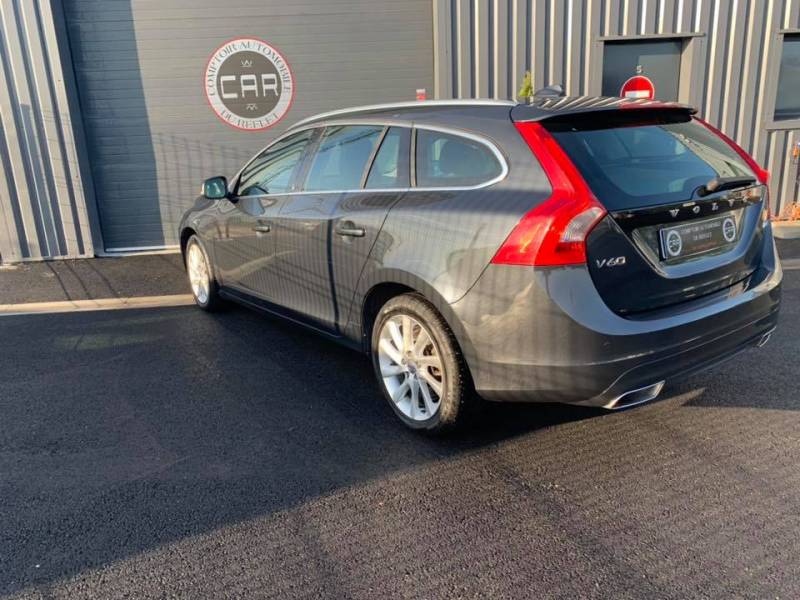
(660, 61)
(152, 136)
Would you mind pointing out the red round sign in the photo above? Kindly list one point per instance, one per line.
(638, 86)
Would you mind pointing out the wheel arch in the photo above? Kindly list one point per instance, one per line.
(375, 298)
(382, 290)
(186, 233)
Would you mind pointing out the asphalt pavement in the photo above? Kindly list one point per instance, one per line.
(94, 278)
(167, 452)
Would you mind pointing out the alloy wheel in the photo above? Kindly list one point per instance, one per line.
(411, 367)
(198, 273)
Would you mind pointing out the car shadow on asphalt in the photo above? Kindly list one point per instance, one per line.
(129, 430)
(495, 421)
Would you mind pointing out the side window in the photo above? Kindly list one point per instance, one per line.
(445, 160)
(787, 101)
(342, 157)
(272, 171)
(388, 169)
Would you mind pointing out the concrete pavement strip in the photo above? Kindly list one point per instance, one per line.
(63, 306)
(790, 264)
(7, 310)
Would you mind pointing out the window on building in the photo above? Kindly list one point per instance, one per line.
(787, 100)
(659, 60)
(388, 170)
(445, 160)
(273, 170)
(342, 157)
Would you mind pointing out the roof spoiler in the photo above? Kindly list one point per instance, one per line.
(543, 107)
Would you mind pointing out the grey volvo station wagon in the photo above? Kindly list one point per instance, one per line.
(582, 250)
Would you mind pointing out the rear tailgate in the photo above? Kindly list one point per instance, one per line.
(666, 239)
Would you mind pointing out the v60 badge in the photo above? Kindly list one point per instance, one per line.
(617, 261)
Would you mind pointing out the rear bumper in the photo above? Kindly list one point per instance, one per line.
(546, 335)
(683, 363)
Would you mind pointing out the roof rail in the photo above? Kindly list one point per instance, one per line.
(408, 104)
(551, 90)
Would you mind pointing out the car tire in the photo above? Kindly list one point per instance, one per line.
(201, 276)
(434, 366)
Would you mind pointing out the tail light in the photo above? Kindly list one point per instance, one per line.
(554, 233)
(761, 174)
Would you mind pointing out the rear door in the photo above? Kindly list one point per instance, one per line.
(325, 233)
(360, 216)
(669, 236)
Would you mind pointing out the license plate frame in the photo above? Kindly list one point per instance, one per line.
(694, 238)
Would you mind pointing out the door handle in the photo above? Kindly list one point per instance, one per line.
(349, 229)
(262, 228)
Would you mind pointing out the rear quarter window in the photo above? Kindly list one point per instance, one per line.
(631, 162)
(448, 160)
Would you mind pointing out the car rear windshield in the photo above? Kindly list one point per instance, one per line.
(633, 160)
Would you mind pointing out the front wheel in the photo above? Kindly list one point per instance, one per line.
(419, 366)
(201, 276)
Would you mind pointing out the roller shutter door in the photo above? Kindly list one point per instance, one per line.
(151, 134)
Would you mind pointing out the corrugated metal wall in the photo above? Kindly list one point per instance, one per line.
(729, 65)
(43, 210)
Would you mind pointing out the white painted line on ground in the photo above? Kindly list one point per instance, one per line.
(147, 251)
(63, 306)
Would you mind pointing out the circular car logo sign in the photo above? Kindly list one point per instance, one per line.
(249, 84)
(674, 243)
(729, 229)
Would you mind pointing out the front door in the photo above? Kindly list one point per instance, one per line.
(245, 244)
(325, 234)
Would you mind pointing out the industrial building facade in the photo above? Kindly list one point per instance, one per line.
(114, 111)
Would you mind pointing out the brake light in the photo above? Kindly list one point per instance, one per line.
(761, 174)
(554, 233)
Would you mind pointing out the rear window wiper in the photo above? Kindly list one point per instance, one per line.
(719, 184)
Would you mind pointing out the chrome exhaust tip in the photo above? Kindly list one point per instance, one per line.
(764, 339)
(637, 396)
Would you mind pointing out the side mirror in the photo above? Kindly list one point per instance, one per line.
(215, 188)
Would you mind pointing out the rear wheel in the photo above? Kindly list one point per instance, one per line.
(201, 277)
(419, 366)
